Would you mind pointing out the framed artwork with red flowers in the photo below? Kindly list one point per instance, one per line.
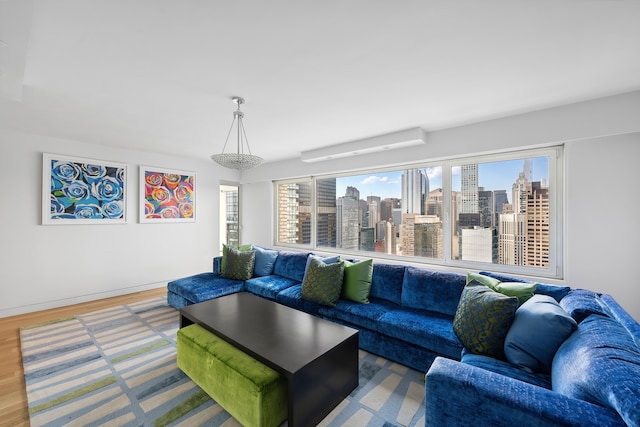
(167, 195)
(83, 191)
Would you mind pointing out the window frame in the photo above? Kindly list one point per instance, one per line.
(556, 182)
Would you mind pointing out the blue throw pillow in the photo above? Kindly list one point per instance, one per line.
(600, 363)
(539, 328)
(265, 260)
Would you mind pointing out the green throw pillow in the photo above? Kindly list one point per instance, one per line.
(483, 319)
(242, 248)
(323, 282)
(357, 281)
(239, 264)
(521, 290)
(481, 279)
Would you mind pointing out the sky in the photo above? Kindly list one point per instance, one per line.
(491, 176)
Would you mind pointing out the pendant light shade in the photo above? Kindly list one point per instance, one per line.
(238, 160)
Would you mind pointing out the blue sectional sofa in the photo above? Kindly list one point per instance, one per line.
(592, 379)
(408, 318)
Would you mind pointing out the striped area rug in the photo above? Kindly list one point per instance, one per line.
(117, 367)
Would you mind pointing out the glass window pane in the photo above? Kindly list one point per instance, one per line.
(386, 212)
(294, 212)
(500, 212)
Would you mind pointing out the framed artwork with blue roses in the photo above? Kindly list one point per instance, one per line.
(83, 191)
(167, 195)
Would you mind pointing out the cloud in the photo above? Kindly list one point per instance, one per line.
(373, 179)
(434, 172)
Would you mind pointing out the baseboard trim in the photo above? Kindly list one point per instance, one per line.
(47, 305)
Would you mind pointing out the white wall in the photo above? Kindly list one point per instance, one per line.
(602, 148)
(602, 212)
(48, 266)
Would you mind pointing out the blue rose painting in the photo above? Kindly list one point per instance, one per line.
(85, 191)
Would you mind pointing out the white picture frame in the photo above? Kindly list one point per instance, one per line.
(78, 190)
(167, 195)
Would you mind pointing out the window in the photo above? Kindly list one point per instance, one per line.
(503, 210)
(229, 216)
(294, 212)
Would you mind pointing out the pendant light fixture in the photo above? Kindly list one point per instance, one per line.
(238, 160)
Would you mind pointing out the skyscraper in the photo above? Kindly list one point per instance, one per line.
(486, 208)
(469, 188)
(427, 236)
(537, 254)
(415, 188)
(294, 213)
(347, 228)
(326, 211)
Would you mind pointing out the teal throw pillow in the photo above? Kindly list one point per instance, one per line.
(482, 320)
(323, 282)
(225, 249)
(357, 281)
(239, 264)
(265, 261)
(538, 330)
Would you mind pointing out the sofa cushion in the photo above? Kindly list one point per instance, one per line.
(292, 297)
(482, 320)
(356, 285)
(323, 282)
(239, 264)
(269, 286)
(386, 282)
(430, 330)
(539, 328)
(362, 315)
(600, 363)
(291, 265)
(203, 287)
(432, 290)
(555, 291)
(506, 368)
(265, 260)
(581, 303)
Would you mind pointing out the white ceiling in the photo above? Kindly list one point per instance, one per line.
(159, 74)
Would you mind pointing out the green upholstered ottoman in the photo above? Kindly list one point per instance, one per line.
(253, 393)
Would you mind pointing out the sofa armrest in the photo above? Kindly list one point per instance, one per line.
(217, 264)
(458, 394)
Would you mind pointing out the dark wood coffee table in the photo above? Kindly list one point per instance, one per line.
(318, 358)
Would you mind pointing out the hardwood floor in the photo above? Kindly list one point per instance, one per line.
(13, 398)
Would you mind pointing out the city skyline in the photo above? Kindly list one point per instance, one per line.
(492, 176)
